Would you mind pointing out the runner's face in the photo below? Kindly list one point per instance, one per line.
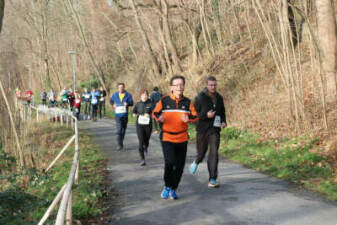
(211, 86)
(144, 97)
(178, 87)
(121, 88)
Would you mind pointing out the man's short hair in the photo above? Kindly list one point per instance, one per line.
(176, 77)
(155, 89)
(210, 78)
(121, 84)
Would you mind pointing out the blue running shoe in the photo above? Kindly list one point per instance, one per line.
(165, 192)
(173, 194)
(193, 167)
(213, 184)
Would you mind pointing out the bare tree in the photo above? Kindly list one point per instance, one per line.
(2, 9)
(326, 27)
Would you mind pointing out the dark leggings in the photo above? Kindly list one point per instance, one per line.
(213, 140)
(101, 107)
(174, 156)
(144, 134)
(94, 111)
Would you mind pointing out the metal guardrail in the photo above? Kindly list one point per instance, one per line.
(64, 213)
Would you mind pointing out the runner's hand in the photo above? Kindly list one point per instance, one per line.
(147, 115)
(184, 118)
(134, 114)
(114, 106)
(223, 125)
(125, 103)
(161, 118)
(210, 114)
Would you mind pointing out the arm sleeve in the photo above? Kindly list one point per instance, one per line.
(223, 112)
(112, 101)
(157, 110)
(135, 111)
(202, 114)
(194, 115)
(130, 100)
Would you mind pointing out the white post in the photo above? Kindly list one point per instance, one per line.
(61, 118)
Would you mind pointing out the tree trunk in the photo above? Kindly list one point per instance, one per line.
(168, 37)
(146, 40)
(2, 9)
(45, 43)
(326, 26)
(84, 39)
(216, 12)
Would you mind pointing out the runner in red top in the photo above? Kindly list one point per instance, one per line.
(77, 105)
(29, 96)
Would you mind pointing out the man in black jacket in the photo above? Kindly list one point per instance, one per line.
(212, 118)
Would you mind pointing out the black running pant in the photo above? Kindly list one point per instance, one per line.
(174, 157)
(213, 140)
(144, 134)
(100, 107)
(94, 111)
(87, 108)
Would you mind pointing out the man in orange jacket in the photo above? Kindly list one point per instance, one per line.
(173, 112)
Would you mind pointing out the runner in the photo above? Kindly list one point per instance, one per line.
(77, 105)
(143, 110)
(174, 111)
(155, 97)
(212, 117)
(71, 97)
(94, 103)
(121, 100)
(44, 97)
(64, 98)
(52, 98)
(86, 98)
(29, 96)
(101, 102)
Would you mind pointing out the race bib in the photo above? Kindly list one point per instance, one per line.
(143, 120)
(77, 101)
(217, 121)
(94, 101)
(120, 109)
(87, 96)
(101, 99)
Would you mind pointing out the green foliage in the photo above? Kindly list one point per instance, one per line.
(26, 204)
(92, 83)
(287, 159)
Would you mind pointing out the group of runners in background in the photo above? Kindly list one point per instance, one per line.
(170, 114)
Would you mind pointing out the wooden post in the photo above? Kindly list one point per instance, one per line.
(61, 119)
(52, 206)
(63, 206)
(69, 210)
(77, 149)
(24, 113)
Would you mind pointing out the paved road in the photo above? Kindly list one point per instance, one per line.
(245, 196)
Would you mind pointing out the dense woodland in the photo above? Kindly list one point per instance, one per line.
(275, 60)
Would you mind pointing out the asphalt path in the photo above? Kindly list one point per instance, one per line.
(245, 197)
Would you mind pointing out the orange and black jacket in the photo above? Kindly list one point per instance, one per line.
(173, 128)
